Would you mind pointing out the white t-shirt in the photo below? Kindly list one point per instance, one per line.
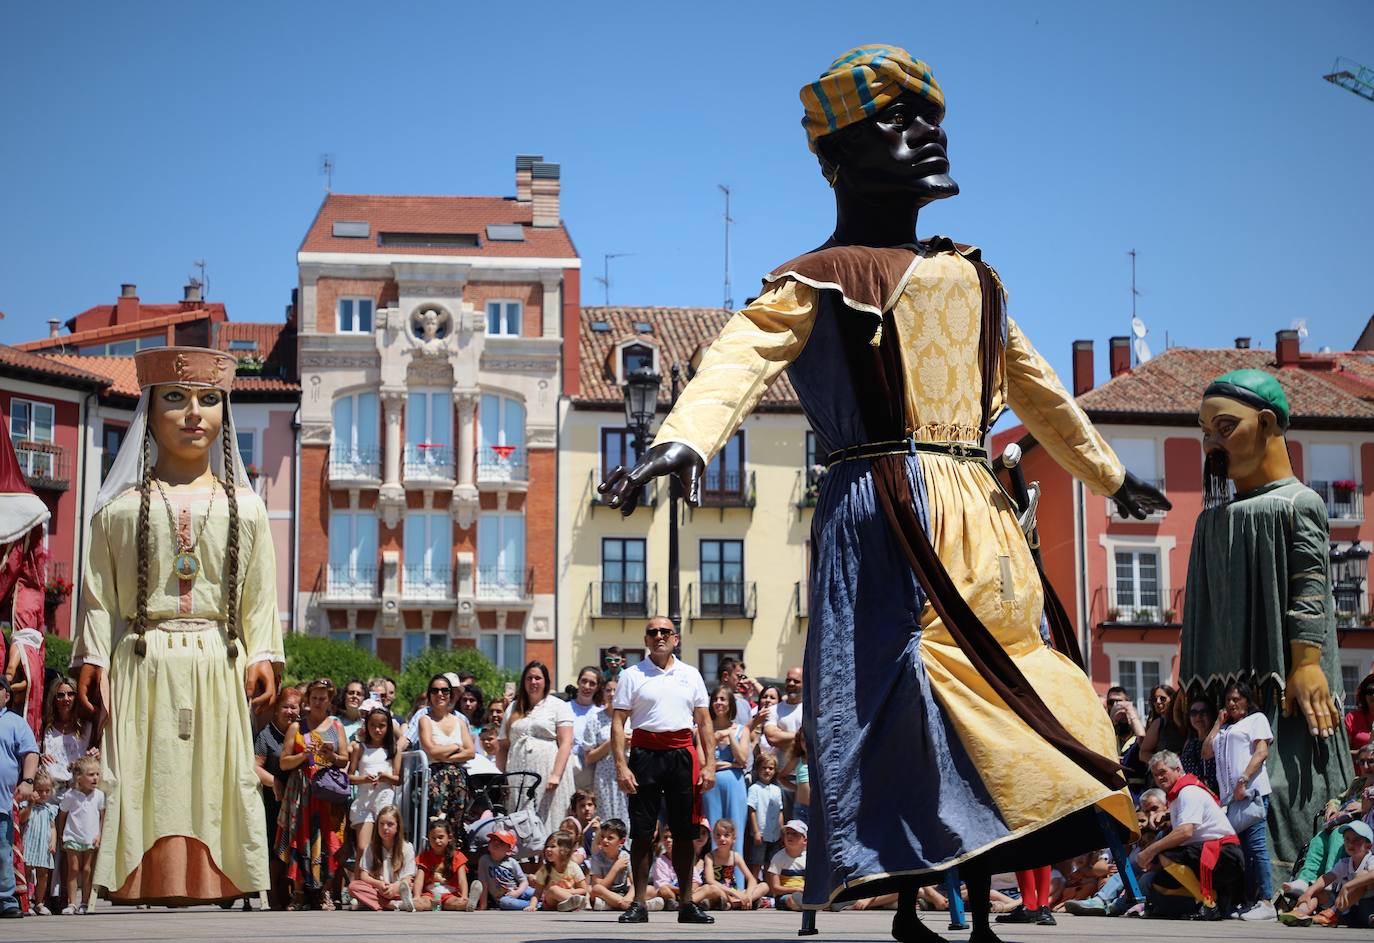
(386, 874)
(660, 700)
(83, 815)
(791, 871)
(1233, 750)
(1343, 871)
(580, 716)
(788, 716)
(1193, 806)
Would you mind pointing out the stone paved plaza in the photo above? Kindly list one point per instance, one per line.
(111, 924)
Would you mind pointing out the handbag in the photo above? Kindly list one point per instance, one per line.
(529, 829)
(1245, 813)
(332, 785)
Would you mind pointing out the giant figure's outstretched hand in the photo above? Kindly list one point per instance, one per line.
(1138, 499)
(1305, 691)
(622, 487)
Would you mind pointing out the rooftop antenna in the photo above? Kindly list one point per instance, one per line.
(729, 295)
(204, 282)
(605, 277)
(327, 168)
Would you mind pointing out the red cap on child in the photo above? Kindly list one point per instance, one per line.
(508, 838)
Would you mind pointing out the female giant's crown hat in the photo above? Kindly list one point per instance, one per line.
(861, 83)
(185, 366)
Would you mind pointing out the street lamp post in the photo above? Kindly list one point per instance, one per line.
(674, 494)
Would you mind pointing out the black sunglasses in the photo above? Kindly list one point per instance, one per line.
(659, 632)
(1197, 711)
(441, 690)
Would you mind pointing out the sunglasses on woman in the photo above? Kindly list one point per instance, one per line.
(444, 691)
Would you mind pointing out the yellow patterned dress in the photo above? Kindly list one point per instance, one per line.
(917, 763)
(184, 820)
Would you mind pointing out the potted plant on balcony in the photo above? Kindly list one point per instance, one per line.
(1367, 618)
(252, 472)
(813, 485)
(1170, 616)
(1345, 489)
(249, 365)
(56, 590)
(1113, 614)
(1146, 616)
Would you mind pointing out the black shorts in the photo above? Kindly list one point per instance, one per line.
(665, 783)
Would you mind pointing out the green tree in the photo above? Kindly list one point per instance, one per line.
(415, 679)
(59, 653)
(309, 657)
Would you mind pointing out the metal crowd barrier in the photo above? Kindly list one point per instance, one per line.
(413, 797)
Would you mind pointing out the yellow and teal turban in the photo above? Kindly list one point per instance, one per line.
(861, 83)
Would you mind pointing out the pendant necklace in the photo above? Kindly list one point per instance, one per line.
(186, 564)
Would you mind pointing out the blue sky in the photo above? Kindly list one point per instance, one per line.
(139, 137)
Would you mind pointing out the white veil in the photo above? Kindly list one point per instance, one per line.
(127, 470)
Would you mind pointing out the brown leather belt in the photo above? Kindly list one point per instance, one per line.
(962, 451)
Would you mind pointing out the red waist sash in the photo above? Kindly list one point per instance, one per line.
(1211, 854)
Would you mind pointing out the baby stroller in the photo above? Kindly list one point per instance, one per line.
(511, 798)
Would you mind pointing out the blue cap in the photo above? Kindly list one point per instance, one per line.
(1361, 829)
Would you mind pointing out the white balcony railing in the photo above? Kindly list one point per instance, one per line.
(427, 582)
(425, 462)
(1344, 499)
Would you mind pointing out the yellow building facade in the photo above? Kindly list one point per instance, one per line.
(744, 553)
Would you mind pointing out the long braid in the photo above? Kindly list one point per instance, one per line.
(144, 535)
(231, 576)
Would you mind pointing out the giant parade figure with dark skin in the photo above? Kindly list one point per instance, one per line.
(943, 728)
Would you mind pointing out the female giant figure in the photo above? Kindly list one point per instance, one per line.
(179, 629)
(926, 606)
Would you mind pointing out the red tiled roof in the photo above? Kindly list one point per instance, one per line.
(104, 315)
(101, 335)
(433, 214)
(274, 343)
(118, 370)
(264, 385)
(677, 332)
(1323, 389)
(15, 361)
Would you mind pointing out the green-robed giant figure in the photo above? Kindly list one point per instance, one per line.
(1259, 607)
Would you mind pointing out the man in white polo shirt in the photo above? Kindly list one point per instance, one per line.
(664, 699)
(1201, 852)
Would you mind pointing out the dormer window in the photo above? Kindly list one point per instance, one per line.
(636, 357)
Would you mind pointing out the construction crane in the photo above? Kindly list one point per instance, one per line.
(1353, 77)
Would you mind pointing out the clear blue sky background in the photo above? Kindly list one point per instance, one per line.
(138, 137)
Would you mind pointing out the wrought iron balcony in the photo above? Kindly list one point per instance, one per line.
(809, 485)
(624, 599)
(353, 466)
(503, 464)
(427, 582)
(505, 584)
(731, 599)
(347, 583)
(727, 489)
(1140, 604)
(426, 463)
(45, 466)
(1344, 499)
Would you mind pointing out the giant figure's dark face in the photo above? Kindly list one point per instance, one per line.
(902, 149)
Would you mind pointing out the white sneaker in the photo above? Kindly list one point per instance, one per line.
(1264, 910)
(653, 904)
(1295, 888)
(599, 904)
(82, 911)
(69, 911)
(407, 901)
(355, 904)
(43, 911)
(575, 902)
(474, 894)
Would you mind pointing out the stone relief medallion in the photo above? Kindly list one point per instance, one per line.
(429, 326)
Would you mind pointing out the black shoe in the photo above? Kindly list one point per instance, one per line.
(1019, 915)
(11, 914)
(693, 913)
(635, 914)
(1043, 918)
(1208, 913)
(248, 905)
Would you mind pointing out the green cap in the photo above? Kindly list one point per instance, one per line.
(1254, 388)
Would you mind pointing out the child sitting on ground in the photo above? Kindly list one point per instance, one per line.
(559, 882)
(40, 841)
(80, 821)
(733, 885)
(787, 871)
(502, 881)
(386, 869)
(582, 823)
(609, 868)
(441, 874)
(1326, 902)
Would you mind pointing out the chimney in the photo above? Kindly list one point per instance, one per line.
(1082, 367)
(52, 327)
(1119, 355)
(191, 292)
(1286, 348)
(544, 192)
(126, 308)
(523, 164)
(1242, 343)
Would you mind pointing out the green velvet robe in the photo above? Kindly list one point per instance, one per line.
(1258, 579)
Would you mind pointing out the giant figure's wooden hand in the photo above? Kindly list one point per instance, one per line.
(1138, 499)
(622, 487)
(1306, 690)
(260, 684)
(91, 695)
